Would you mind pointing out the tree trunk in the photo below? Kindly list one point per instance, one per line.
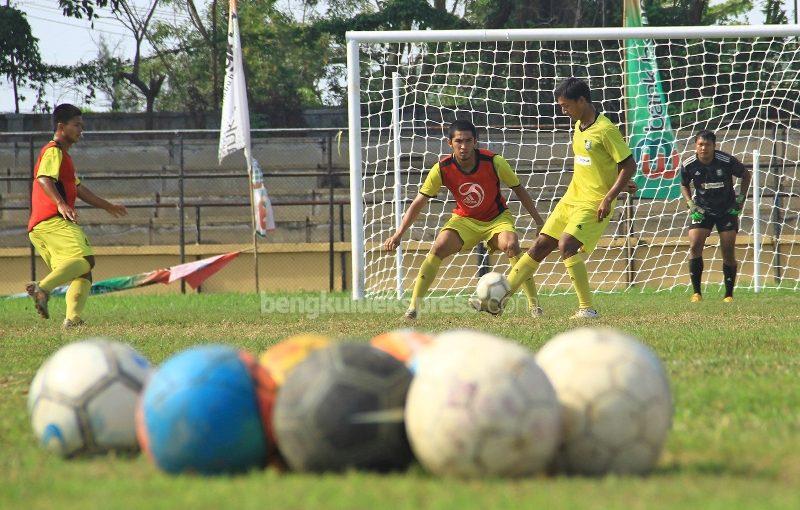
(696, 10)
(215, 58)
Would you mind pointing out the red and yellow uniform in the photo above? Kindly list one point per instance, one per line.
(481, 210)
(55, 238)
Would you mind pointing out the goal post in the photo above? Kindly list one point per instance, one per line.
(404, 87)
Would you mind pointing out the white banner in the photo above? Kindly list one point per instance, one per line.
(234, 131)
(235, 124)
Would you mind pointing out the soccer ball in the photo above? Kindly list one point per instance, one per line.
(83, 398)
(480, 406)
(492, 291)
(343, 408)
(205, 410)
(615, 398)
(281, 358)
(403, 344)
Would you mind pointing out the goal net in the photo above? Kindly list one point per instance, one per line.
(660, 85)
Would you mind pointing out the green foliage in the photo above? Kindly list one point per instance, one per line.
(86, 8)
(20, 61)
(774, 14)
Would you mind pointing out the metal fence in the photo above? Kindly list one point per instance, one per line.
(156, 173)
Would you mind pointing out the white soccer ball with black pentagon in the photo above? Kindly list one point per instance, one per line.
(480, 406)
(492, 291)
(615, 399)
(83, 398)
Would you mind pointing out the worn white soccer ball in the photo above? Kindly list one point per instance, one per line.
(481, 406)
(492, 291)
(615, 399)
(83, 398)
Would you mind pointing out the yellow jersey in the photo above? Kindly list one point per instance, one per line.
(598, 150)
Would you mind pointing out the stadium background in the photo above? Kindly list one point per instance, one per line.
(159, 173)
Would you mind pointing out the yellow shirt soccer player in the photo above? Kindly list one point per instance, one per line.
(473, 176)
(53, 225)
(603, 168)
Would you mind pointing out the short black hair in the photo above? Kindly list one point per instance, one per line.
(461, 125)
(706, 134)
(572, 88)
(64, 113)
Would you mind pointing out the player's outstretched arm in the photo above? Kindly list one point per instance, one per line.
(410, 215)
(628, 168)
(744, 186)
(90, 198)
(528, 203)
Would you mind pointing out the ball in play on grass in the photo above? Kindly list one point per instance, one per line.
(342, 408)
(492, 291)
(83, 398)
(204, 411)
(281, 358)
(480, 406)
(403, 344)
(616, 401)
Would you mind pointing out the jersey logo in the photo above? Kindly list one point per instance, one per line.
(719, 172)
(696, 172)
(472, 194)
(713, 185)
(583, 160)
(587, 144)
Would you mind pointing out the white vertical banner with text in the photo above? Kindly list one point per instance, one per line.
(235, 125)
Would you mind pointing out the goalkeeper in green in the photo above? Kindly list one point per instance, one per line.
(714, 204)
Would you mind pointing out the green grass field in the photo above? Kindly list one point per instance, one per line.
(735, 443)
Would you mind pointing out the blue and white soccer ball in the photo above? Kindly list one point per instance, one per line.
(83, 398)
(492, 291)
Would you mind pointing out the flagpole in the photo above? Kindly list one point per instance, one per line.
(251, 187)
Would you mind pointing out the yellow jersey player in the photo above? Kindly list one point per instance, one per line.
(474, 177)
(53, 225)
(603, 168)
(715, 204)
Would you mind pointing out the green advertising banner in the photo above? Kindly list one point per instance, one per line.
(650, 133)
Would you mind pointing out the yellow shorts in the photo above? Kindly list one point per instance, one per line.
(473, 231)
(57, 240)
(579, 221)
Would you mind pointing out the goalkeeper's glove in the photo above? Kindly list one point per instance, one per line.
(736, 210)
(696, 212)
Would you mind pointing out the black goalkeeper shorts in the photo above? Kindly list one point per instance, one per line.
(723, 222)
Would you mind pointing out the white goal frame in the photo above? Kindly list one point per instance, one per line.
(355, 38)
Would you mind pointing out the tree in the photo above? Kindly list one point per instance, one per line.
(774, 13)
(86, 8)
(20, 61)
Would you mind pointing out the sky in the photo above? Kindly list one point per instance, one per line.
(67, 41)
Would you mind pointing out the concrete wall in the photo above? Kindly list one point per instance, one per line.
(292, 267)
(122, 121)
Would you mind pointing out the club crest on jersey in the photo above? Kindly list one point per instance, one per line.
(719, 172)
(472, 194)
(587, 144)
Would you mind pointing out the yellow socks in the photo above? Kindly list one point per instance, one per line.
(77, 293)
(580, 279)
(521, 272)
(65, 272)
(529, 286)
(427, 272)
